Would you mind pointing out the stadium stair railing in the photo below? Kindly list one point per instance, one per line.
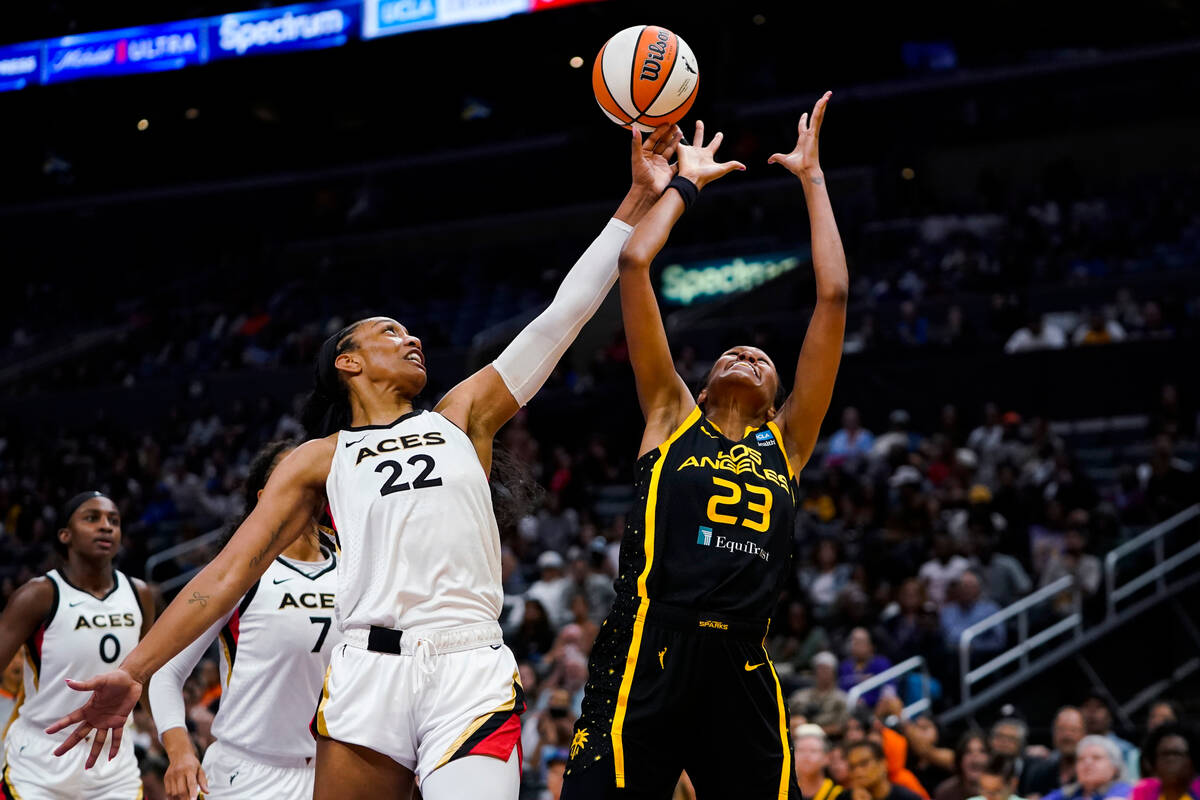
(915, 665)
(1128, 596)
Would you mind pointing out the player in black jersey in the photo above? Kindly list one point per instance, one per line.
(679, 675)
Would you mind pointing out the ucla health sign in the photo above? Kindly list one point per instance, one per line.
(153, 48)
(387, 17)
(279, 30)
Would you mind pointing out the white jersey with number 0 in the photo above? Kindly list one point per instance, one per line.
(413, 511)
(83, 636)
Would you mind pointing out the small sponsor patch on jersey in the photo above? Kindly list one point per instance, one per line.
(765, 438)
(704, 536)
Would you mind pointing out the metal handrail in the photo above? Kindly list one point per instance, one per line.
(914, 664)
(1025, 643)
(175, 550)
(1153, 535)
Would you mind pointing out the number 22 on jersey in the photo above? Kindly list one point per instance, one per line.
(423, 480)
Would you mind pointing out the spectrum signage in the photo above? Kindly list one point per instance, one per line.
(175, 45)
(280, 30)
(684, 284)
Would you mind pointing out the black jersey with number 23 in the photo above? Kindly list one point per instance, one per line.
(713, 522)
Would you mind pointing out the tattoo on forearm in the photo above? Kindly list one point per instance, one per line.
(818, 180)
(258, 559)
(202, 599)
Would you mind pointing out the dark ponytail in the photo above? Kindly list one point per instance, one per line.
(515, 493)
(327, 408)
(260, 470)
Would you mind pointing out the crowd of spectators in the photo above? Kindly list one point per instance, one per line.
(878, 756)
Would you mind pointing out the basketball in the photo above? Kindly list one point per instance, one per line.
(644, 77)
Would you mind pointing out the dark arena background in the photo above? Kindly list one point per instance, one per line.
(1017, 188)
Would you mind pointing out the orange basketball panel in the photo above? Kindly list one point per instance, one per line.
(653, 60)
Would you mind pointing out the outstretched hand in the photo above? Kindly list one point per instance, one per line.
(803, 161)
(114, 694)
(652, 167)
(698, 163)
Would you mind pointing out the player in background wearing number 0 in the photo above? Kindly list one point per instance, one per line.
(73, 622)
(275, 646)
(679, 677)
(422, 683)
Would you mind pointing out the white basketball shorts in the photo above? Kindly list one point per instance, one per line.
(447, 694)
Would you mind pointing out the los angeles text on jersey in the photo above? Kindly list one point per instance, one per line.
(739, 459)
(405, 442)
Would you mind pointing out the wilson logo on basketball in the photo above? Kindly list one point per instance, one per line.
(655, 52)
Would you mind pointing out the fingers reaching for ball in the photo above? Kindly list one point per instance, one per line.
(803, 161)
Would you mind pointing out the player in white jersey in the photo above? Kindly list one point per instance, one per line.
(423, 685)
(74, 621)
(275, 647)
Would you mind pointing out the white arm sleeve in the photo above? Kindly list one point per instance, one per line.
(166, 685)
(528, 361)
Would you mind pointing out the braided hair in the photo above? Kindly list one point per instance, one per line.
(327, 408)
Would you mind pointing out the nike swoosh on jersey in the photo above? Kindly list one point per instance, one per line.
(750, 668)
(356, 441)
(278, 581)
(77, 602)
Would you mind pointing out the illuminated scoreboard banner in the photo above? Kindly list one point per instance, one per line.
(153, 48)
(175, 45)
(282, 30)
(387, 17)
(702, 281)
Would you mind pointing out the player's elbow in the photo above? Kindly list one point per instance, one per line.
(837, 294)
(633, 259)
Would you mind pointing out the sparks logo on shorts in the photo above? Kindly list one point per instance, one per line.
(765, 438)
(579, 741)
(705, 536)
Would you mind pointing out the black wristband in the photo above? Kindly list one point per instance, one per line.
(687, 190)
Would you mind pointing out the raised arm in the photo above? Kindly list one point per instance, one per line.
(662, 394)
(288, 502)
(799, 419)
(489, 398)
